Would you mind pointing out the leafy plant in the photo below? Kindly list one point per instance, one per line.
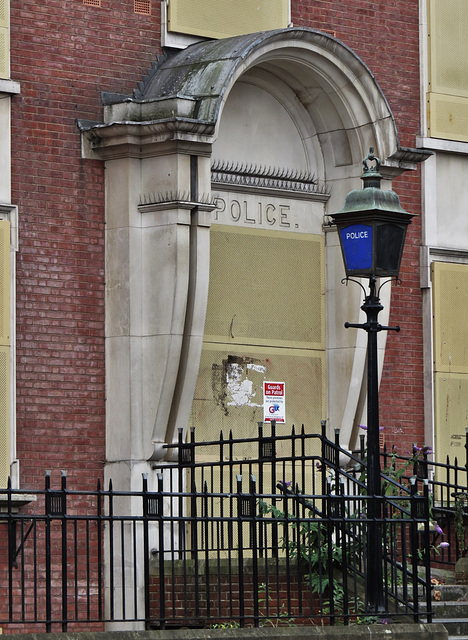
(310, 543)
(229, 624)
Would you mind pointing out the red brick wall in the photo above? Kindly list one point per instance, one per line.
(64, 54)
(287, 601)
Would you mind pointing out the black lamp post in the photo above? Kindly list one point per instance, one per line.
(372, 229)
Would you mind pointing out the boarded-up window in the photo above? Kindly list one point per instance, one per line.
(447, 98)
(4, 40)
(450, 296)
(265, 321)
(225, 18)
(4, 352)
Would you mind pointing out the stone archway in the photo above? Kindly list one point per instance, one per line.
(159, 147)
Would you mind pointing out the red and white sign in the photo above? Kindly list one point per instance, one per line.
(274, 406)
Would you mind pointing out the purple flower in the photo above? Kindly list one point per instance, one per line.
(439, 529)
(427, 450)
(444, 545)
(363, 426)
(286, 483)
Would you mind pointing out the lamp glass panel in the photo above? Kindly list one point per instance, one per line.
(356, 242)
(389, 245)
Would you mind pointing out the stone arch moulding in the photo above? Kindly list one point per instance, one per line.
(157, 145)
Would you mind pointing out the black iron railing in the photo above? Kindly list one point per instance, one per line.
(269, 530)
(448, 491)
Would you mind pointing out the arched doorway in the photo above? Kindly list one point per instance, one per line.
(245, 144)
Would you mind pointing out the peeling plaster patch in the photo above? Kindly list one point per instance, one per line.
(218, 386)
(239, 387)
(257, 367)
(237, 383)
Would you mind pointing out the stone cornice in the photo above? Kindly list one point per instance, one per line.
(143, 139)
(404, 159)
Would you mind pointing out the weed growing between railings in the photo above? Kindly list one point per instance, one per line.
(314, 547)
(282, 620)
(310, 542)
(398, 468)
(461, 500)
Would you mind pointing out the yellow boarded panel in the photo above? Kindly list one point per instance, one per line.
(4, 415)
(221, 481)
(448, 117)
(451, 413)
(4, 40)
(4, 53)
(448, 47)
(225, 18)
(4, 351)
(4, 13)
(229, 392)
(229, 396)
(448, 70)
(265, 322)
(450, 300)
(266, 288)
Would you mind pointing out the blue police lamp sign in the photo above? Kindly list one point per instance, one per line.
(356, 243)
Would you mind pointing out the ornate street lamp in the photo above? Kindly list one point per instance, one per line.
(372, 229)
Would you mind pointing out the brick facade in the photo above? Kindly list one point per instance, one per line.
(64, 55)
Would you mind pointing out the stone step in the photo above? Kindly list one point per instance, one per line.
(450, 610)
(450, 592)
(457, 627)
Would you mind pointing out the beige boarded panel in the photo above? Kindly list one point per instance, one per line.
(448, 70)
(225, 18)
(448, 47)
(229, 391)
(225, 504)
(4, 282)
(4, 53)
(4, 40)
(451, 412)
(265, 321)
(229, 396)
(265, 288)
(4, 13)
(448, 117)
(450, 302)
(4, 415)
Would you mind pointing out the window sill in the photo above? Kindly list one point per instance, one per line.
(9, 86)
(18, 500)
